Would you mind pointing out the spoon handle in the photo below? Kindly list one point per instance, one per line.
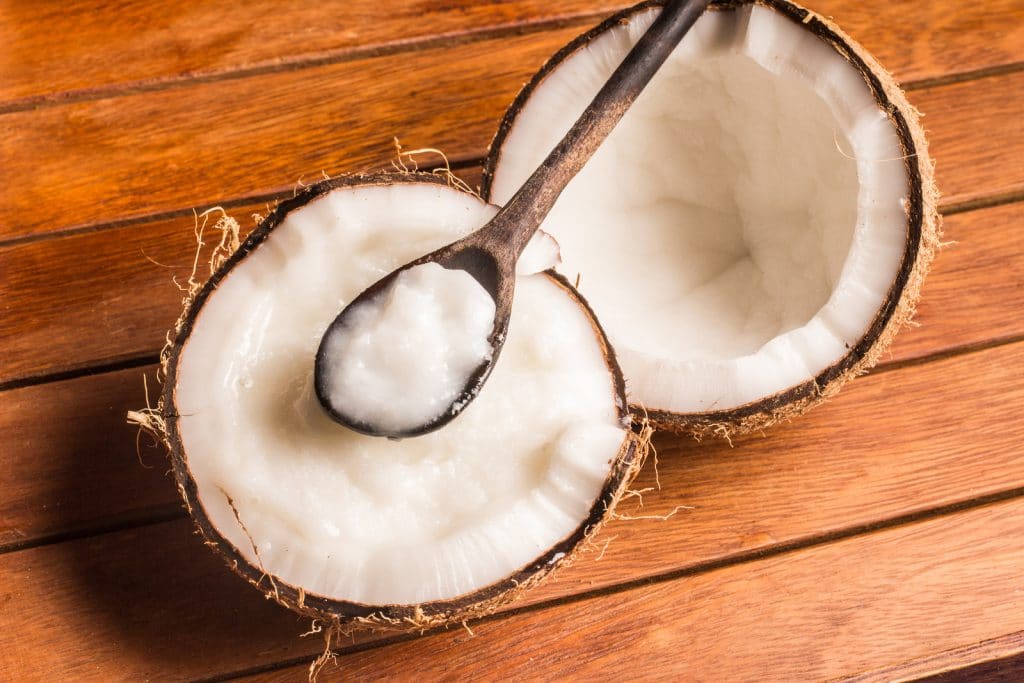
(523, 213)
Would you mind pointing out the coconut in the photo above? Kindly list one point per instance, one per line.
(757, 227)
(362, 531)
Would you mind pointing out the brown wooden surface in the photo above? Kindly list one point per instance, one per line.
(804, 484)
(996, 659)
(165, 42)
(806, 615)
(879, 536)
(148, 153)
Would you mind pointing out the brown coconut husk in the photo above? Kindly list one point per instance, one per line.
(336, 618)
(923, 229)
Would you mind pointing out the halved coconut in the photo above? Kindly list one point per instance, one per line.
(357, 529)
(757, 227)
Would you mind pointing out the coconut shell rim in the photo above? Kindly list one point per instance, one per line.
(922, 239)
(482, 601)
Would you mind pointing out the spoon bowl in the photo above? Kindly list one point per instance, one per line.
(466, 255)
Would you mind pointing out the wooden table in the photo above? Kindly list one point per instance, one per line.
(881, 535)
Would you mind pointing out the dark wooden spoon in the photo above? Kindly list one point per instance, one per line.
(490, 253)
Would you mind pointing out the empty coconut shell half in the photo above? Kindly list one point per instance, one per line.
(357, 530)
(755, 230)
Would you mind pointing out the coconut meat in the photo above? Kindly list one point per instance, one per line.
(402, 358)
(370, 520)
(739, 230)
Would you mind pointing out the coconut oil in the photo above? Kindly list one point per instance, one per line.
(403, 357)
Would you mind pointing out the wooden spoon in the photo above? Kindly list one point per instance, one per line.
(490, 253)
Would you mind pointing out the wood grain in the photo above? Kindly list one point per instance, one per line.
(65, 313)
(78, 48)
(851, 464)
(880, 536)
(146, 154)
(975, 291)
(83, 47)
(974, 135)
(70, 462)
(144, 604)
(812, 615)
(995, 659)
(161, 151)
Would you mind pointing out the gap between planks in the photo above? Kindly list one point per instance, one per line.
(84, 371)
(158, 515)
(981, 661)
(454, 164)
(963, 77)
(998, 199)
(945, 354)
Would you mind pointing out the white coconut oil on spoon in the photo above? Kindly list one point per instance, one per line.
(401, 358)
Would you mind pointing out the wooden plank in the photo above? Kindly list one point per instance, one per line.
(66, 312)
(812, 615)
(844, 467)
(962, 302)
(852, 462)
(975, 137)
(83, 47)
(63, 312)
(70, 462)
(80, 47)
(933, 40)
(144, 604)
(127, 157)
(989, 660)
(143, 155)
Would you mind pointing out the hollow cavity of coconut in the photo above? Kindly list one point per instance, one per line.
(362, 530)
(757, 227)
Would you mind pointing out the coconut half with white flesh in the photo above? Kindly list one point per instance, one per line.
(756, 228)
(363, 530)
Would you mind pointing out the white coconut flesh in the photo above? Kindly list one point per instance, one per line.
(741, 227)
(369, 520)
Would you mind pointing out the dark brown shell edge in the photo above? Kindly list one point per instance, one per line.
(343, 615)
(923, 229)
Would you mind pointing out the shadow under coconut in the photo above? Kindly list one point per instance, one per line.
(80, 467)
(153, 600)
